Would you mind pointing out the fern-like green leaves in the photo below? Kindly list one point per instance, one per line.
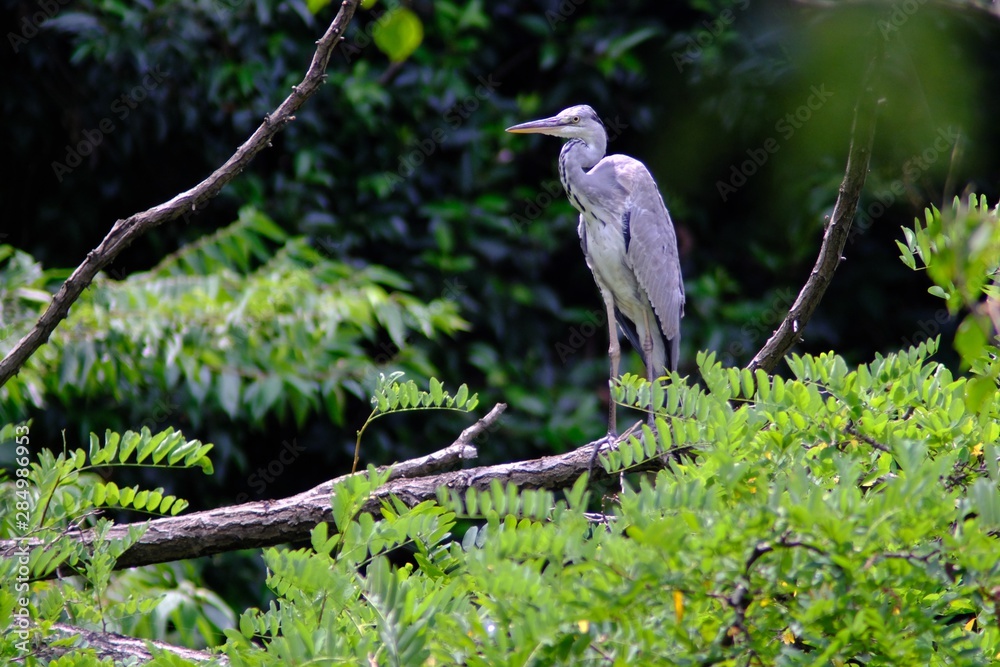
(145, 448)
(392, 395)
(62, 489)
(62, 494)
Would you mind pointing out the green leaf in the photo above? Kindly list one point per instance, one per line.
(127, 494)
(398, 33)
(906, 255)
(96, 455)
(229, 393)
(246, 619)
(437, 391)
(111, 493)
(130, 440)
(99, 494)
(461, 396)
(938, 291)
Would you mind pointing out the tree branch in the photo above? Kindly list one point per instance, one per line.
(118, 648)
(127, 230)
(271, 522)
(789, 331)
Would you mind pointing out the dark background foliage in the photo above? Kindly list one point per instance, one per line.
(406, 165)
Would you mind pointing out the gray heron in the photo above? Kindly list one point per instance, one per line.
(628, 241)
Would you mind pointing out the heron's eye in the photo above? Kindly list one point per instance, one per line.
(575, 120)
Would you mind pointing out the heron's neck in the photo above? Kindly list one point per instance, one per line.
(581, 155)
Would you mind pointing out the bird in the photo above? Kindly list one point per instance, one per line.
(628, 241)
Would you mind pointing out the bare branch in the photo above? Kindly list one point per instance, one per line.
(118, 648)
(469, 435)
(830, 252)
(129, 229)
(271, 522)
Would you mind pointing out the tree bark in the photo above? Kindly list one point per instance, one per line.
(118, 648)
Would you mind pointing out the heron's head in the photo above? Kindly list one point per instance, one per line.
(579, 122)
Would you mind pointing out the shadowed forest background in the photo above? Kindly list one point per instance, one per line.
(435, 243)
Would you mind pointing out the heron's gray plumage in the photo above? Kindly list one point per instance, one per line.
(626, 234)
(637, 258)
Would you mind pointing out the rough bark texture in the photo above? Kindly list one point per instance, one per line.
(119, 648)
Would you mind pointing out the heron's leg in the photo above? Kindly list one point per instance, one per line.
(615, 352)
(647, 353)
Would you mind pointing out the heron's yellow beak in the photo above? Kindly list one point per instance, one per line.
(542, 126)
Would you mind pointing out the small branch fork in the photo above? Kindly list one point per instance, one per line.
(129, 229)
(789, 332)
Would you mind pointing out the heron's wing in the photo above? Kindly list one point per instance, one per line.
(652, 253)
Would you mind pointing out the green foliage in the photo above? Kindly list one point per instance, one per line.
(181, 609)
(345, 582)
(59, 492)
(398, 33)
(841, 515)
(233, 327)
(500, 501)
(22, 296)
(960, 250)
(392, 396)
(62, 488)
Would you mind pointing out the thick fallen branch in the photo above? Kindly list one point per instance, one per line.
(271, 522)
(789, 332)
(266, 522)
(118, 648)
(127, 230)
